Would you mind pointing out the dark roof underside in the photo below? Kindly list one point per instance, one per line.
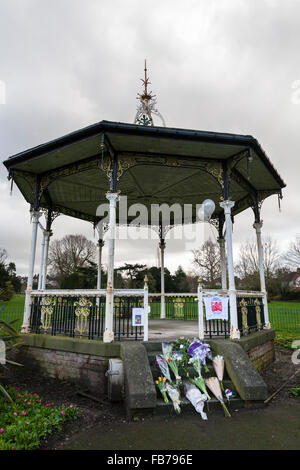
(156, 165)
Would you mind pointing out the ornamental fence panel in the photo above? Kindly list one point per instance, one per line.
(84, 316)
(69, 316)
(250, 312)
(123, 328)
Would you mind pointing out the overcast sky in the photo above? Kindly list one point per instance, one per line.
(217, 65)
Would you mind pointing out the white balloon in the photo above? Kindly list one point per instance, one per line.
(209, 207)
(205, 210)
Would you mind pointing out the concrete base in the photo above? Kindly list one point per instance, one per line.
(84, 362)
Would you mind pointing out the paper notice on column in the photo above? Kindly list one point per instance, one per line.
(137, 316)
(216, 308)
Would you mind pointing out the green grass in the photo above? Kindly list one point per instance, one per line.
(17, 302)
(13, 310)
(281, 304)
(285, 316)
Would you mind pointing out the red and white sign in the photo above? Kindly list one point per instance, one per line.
(216, 308)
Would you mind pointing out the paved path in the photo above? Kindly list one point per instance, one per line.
(274, 427)
(172, 329)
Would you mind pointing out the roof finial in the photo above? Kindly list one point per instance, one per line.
(147, 104)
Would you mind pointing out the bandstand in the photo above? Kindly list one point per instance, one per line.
(75, 174)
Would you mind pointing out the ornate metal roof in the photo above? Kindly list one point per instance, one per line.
(154, 165)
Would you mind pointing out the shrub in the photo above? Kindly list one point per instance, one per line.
(7, 292)
(25, 421)
(285, 339)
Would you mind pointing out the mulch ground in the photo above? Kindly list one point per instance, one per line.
(95, 413)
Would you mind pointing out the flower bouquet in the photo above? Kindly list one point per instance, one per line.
(197, 399)
(161, 385)
(182, 345)
(218, 363)
(162, 364)
(171, 359)
(173, 364)
(201, 350)
(167, 350)
(200, 383)
(175, 397)
(214, 385)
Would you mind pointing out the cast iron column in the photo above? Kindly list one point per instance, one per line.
(234, 330)
(258, 226)
(162, 246)
(26, 319)
(108, 336)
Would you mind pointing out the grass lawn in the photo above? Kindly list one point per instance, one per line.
(13, 310)
(285, 316)
(289, 305)
(16, 303)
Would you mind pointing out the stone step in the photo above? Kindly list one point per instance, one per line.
(151, 346)
(210, 405)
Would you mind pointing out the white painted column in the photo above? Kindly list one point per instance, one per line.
(146, 310)
(42, 260)
(26, 318)
(221, 242)
(200, 310)
(258, 226)
(234, 330)
(162, 246)
(108, 336)
(45, 263)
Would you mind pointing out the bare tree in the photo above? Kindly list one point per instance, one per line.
(292, 256)
(208, 262)
(3, 256)
(248, 264)
(68, 254)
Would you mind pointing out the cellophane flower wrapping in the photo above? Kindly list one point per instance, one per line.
(200, 383)
(202, 350)
(214, 386)
(162, 364)
(175, 397)
(197, 398)
(167, 350)
(218, 363)
(174, 363)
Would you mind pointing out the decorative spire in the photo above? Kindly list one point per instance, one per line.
(147, 104)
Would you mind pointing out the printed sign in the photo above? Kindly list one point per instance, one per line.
(216, 308)
(137, 316)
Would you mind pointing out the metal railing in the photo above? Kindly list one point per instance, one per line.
(184, 306)
(250, 311)
(82, 313)
(285, 317)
